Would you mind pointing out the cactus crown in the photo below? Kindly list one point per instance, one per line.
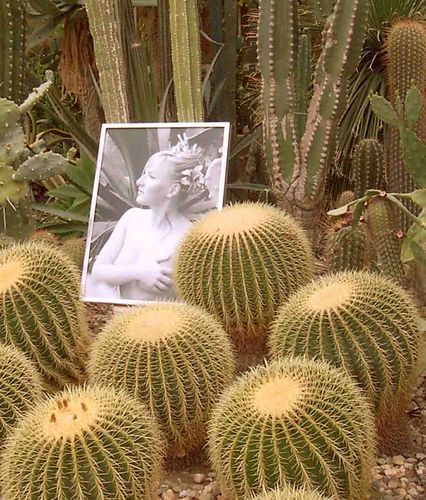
(10, 274)
(236, 219)
(331, 296)
(153, 324)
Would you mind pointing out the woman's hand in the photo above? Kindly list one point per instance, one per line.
(152, 276)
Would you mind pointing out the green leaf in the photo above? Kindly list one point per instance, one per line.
(384, 110)
(248, 186)
(83, 173)
(414, 155)
(357, 212)
(66, 191)
(63, 214)
(336, 212)
(419, 197)
(413, 106)
(418, 252)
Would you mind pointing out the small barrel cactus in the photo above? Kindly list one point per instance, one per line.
(288, 493)
(175, 358)
(20, 386)
(297, 422)
(74, 248)
(40, 311)
(81, 444)
(241, 264)
(361, 322)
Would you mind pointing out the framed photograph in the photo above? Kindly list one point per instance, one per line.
(153, 181)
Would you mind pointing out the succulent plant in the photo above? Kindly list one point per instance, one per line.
(40, 311)
(240, 264)
(288, 493)
(384, 228)
(20, 386)
(83, 443)
(361, 322)
(294, 422)
(368, 167)
(74, 248)
(175, 358)
(345, 198)
(348, 248)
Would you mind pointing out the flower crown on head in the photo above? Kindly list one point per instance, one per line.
(190, 165)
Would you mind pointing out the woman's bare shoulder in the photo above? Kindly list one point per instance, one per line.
(134, 215)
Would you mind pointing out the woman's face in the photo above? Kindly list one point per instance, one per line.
(156, 182)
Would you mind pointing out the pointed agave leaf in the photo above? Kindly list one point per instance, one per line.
(413, 106)
(384, 110)
(63, 214)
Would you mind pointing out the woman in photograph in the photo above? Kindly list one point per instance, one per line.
(136, 262)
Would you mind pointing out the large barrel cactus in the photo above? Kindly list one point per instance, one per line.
(20, 386)
(175, 358)
(242, 263)
(83, 444)
(295, 422)
(40, 312)
(361, 322)
(288, 493)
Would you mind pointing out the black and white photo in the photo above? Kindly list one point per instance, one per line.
(153, 181)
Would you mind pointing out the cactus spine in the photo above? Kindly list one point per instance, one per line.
(40, 311)
(295, 422)
(13, 25)
(20, 386)
(368, 167)
(363, 323)
(382, 218)
(406, 67)
(298, 168)
(81, 444)
(186, 58)
(240, 264)
(289, 493)
(174, 358)
(108, 47)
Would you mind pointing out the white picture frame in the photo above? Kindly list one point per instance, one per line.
(152, 182)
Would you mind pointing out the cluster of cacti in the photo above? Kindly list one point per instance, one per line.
(296, 422)
(288, 493)
(40, 311)
(17, 167)
(406, 67)
(364, 323)
(20, 386)
(240, 264)
(298, 168)
(81, 444)
(13, 31)
(383, 224)
(368, 167)
(175, 358)
(186, 58)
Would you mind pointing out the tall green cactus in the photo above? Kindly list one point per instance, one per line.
(368, 167)
(321, 9)
(298, 169)
(108, 45)
(186, 57)
(13, 24)
(383, 224)
(406, 67)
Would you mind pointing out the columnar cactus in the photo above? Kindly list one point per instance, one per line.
(298, 168)
(406, 67)
(186, 58)
(20, 386)
(368, 167)
(103, 19)
(348, 248)
(383, 225)
(40, 311)
(297, 422)
(288, 493)
(361, 322)
(240, 264)
(81, 444)
(175, 358)
(13, 25)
